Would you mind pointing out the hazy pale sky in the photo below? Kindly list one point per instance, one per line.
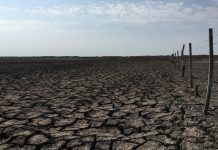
(109, 27)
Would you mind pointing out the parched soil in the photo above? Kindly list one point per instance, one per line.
(103, 103)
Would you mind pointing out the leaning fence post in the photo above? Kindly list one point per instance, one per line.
(183, 65)
(210, 74)
(190, 64)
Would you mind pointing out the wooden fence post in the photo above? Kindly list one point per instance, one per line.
(172, 58)
(197, 91)
(190, 65)
(178, 60)
(175, 59)
(183, 63)
(210, 74)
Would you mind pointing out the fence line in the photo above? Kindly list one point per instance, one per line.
(201, 47)
(176, 61)
(199, 43)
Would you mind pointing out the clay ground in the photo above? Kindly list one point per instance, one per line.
(103, 103)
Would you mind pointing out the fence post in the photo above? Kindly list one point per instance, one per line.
(210, 74)
(175, 59)
(190, 65)
(197, 91)
(183, 65)
(172, 58)
(178, 60)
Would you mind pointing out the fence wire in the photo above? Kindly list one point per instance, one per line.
(200, 65)
(199, 43)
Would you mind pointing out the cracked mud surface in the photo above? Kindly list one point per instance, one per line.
(104, 103)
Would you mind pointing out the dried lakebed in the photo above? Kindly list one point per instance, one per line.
(100, 103)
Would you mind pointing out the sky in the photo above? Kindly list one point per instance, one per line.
(105, 27)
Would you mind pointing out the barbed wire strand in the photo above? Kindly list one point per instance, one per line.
(194, 49)
(214, 43)
(199, 43)
(200, 47)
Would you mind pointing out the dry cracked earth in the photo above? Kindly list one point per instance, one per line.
(101, 103)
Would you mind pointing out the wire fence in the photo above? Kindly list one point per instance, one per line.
(207, 46)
